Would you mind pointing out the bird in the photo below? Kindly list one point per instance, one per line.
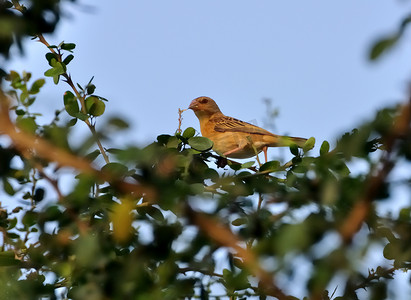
(234, 138)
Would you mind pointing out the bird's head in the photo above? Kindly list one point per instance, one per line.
(204, 106)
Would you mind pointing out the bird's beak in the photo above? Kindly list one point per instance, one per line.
(193, 105)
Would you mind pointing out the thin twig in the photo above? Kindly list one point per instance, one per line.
(205, 272)
(180, 119)
(53, 183)
(260, 201)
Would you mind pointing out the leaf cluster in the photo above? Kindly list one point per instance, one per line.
(19, 21)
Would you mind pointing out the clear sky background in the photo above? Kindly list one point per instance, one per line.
(150, 58)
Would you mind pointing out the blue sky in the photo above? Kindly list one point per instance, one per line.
(150, 58)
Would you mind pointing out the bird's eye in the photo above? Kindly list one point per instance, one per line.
(203, 101)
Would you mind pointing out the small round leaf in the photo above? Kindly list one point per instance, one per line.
(95, 106)
(200, 143)
(189, 132)
(325, 147)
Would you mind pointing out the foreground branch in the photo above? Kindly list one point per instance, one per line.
(31, 146)
(223, 236)
(400, 129)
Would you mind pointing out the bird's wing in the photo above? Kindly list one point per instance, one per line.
(228, 124)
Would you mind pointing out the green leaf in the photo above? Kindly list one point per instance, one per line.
(13, 76)
(189, 132)
(68, 59)
(294, 149)
(56, 79)
(163, 139)
(115, 169)
(247, 165)
(93, 155)
(7, 258)
(12, 235)
(90, 89)
(114, 150)
(234, 281)
(58, 69)
(95, 106)
(173, 142)
(50, 72)
(15, 79)
(392, 250)
(271, 166)
(152, 211)
(118, 123)
(52, 213)
(35, 87)
(197, 188)
(8, 188)
(200, 143)
(309, 144)
(29, 219)
(13, 222)
(72, 122)
(239, 221)
(343, 170)
(70, 103)
(102, 98)
(50, 56)
(29, 101)
(382, 46)
(234, 165)
(27, 124)
(23, 96)
(325, 148)
(212, 175)
(405, 215)
(68, 46)
(81, 116)
(20, 112)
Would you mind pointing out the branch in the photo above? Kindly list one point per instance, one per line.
(223, 236)
(31, 146)
(375, 275)
(80, 98)
(400, 128)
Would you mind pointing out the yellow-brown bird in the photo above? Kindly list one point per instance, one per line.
(235, 138)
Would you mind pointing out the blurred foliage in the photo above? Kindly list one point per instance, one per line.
(20, 19)
(172, 220)
(388, 41)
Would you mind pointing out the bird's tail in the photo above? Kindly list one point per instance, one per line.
(286, 141)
